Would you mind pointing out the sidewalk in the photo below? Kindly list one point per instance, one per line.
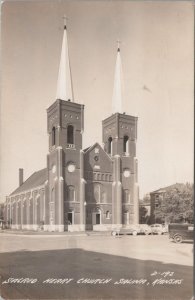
(48, 233)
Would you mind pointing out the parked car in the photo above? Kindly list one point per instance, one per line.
(181, 232)
(158, 229)
(145, 229)
(128, 229)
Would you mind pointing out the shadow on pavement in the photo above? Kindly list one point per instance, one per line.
(77, 264)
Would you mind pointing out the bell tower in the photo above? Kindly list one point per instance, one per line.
(65, 125)
(119, 134)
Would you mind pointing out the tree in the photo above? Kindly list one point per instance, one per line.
(143, 215)
(176, 204)
(146, 198)
(143, 209)
(1, 211)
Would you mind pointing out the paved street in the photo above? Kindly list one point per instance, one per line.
(95, 267)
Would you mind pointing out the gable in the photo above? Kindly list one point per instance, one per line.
(97, 160)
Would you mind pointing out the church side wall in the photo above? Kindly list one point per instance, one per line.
(26, 210)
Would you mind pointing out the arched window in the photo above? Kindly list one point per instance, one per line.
(103, 199)
(52, 195)
(110, 145)
(107, 214)
(126, 196)
(51, 213)
(126, 144)
(126, 217)
(70, 134)
(71, 193)
(96, 193)
(53, 136)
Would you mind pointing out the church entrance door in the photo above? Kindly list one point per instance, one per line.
(70, 218)
(126, 218)
(97, 218)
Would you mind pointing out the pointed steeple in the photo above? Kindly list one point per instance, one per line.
(64, 85)
(118, 85)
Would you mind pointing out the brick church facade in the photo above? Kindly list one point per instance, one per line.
(80, 189)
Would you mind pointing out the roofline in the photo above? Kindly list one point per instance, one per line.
(123, 115)
(60, 101)
(164, 189)
(96, 143)
(26, 180)
(26, 191)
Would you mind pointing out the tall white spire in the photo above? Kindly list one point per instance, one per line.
(118, 85)
(64, 85)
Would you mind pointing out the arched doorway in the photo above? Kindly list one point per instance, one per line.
(126, 217)
(96, 216)
(70, 216)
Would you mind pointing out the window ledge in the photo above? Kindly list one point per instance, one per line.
(71, 146)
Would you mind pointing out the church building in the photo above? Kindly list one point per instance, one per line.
(80, 189)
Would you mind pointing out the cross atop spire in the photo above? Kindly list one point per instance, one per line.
(64, 86)
(118, 84)
(118, 45)
(65, 18)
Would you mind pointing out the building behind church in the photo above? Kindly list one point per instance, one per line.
(80, 189)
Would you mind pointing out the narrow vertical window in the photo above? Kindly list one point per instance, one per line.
(107, 214)
(70, 134)
(71, 193)
(52, 195)
(126, 196)
(126, 144)
(126, 217)
(53, 137)
(103, 199)
(110, 145)
(96, 192)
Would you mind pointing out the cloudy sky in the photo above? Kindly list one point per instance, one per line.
(157, 57)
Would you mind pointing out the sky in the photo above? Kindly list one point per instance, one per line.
(157, 48)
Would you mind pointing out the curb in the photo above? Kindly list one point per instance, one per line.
(52, 234)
